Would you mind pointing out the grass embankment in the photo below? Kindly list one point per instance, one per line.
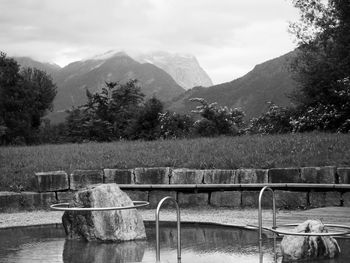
(18, 164)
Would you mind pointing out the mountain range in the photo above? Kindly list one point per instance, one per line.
(74, 79)
(167, 76)
(270, 81)
(160, 74)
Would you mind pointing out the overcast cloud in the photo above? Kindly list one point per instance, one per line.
(228, 37)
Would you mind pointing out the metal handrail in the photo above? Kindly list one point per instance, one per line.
(260, 210)
(65, 207)
(178, 228)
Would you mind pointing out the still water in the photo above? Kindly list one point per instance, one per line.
(202, 243)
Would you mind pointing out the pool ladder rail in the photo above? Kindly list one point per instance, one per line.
(159, 206)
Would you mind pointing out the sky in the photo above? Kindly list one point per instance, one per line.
(228, 37)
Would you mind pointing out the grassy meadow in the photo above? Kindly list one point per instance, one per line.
(18, 164)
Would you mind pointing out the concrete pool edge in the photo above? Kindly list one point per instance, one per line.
(145, 221)
(226, 217)
(199, 214)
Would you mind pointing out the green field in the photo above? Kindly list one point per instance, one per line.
(18, 164)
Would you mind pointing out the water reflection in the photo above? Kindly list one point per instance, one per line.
(202, 243)
(206, 237)
(275, 257)
(93, 252)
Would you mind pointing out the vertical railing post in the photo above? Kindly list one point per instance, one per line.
(261, 254)
(178, 228)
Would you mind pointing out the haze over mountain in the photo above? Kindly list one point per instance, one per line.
(49, 68)
(184, 68)
(268, 81)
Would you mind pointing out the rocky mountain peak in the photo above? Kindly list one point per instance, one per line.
(184, 68)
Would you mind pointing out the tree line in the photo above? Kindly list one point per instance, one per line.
(25, 96)
(120, 111)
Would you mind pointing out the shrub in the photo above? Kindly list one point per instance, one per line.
(174, 125)
(276, 120)
(217, 120)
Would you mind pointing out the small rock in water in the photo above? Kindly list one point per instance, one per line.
(113, 225)
(309, 247)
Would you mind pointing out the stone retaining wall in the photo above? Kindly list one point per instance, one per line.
(58, 186)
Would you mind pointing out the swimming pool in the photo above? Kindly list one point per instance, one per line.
(202, 243)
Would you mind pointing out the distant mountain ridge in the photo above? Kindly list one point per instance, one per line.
(184, 69)
(49, 68)
(268, 81)
(75, 78)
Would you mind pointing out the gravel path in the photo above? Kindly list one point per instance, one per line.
(215, 215)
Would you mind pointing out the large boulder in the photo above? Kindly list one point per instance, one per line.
(309, 247)
(114, 225)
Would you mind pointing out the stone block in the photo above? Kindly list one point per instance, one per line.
(187, 176)
(284, 175)
(321, 199)
(226, 198)
(155, 175)
(65, 197)
(308, 174)
(252, 176)
(34, 200)
(10, 201)
(83, 178)
(327, 175)
(155, 196)
(136, 195)
(290, 200)
(344, 175)
(251, 199)
(193, 199)
(346, 199)
(118, 176)
(219, 176)
(52, 181)
(319, 175)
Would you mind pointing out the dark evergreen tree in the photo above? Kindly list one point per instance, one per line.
(125, 105)
(147, 124)
(25, 97)
(107, 115)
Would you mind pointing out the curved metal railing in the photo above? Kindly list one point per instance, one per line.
(178, 228)
(65, 207)
(260, 210)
